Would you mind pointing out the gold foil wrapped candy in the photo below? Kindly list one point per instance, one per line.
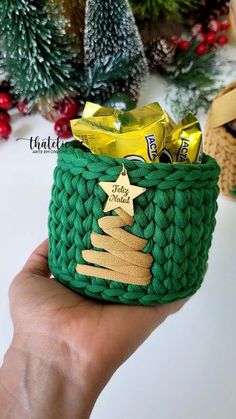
(184, 144)
(138, 134)
(147, 134)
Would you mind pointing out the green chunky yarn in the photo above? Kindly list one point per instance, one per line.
(176, 215)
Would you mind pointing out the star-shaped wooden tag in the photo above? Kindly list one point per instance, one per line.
(121, 193)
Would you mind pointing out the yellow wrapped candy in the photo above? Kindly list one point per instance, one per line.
(184, 144)
(138, 134)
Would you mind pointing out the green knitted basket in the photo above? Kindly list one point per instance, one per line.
(176, 215)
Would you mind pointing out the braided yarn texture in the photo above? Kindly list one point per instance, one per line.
(176, 215)
(221, 145)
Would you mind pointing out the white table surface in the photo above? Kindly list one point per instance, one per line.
(187, 368)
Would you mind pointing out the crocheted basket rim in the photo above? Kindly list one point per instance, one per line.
(70, 153)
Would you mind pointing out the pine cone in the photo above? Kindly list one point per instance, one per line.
(128, 87)
(160, 52)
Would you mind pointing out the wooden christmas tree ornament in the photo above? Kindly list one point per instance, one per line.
(122, 260)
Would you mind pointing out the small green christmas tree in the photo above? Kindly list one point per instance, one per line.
(112, 41)
(37, 53)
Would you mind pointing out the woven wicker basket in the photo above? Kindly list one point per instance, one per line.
(221, 145)
(176, 215)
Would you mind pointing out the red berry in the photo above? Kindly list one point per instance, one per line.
(5, 101)
(197, 29)
(222, 40)
(5, 130)
(23, 108)
(62, 128)
(225, 25)
(68, 108)
(214, 25)
(4, 116)
(201, 49)
(184, 45)
(210, 38)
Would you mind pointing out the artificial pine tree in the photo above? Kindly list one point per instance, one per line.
(112, 41)
(38, 55)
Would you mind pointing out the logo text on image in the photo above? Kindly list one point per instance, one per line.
(43, 145)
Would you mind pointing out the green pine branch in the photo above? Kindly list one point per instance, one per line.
(191, 70)
(158, 8)
(184, 99)
(195, 79)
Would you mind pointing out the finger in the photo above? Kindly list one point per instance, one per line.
(38, 261)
